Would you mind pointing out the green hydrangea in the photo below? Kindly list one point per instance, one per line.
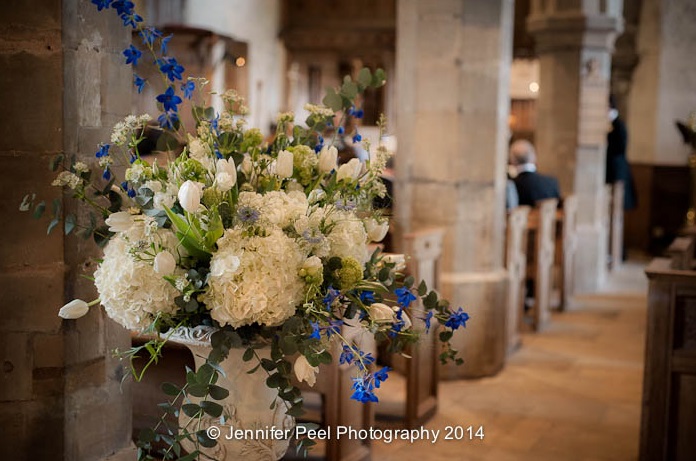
(350, 273)
(212, 197)
(191, 169)
(252, 138)
(304, 162)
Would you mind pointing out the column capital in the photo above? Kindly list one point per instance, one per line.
(575, 30)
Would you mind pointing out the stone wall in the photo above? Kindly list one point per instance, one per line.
(62, 87)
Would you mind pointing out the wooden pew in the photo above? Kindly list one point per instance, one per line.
(616, 226)
(565, 250)
(681, 253)
(668, 419)
(542, 228)
(424, 248)
(516, 264)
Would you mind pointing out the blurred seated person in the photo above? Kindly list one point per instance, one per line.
(531, 186)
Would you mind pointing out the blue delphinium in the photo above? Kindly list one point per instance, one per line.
(331, 296)
(404, 296)
(149, 34)
(357, 137)
(139, 82)
(334, 327)
(164, 43)
(347, 355)
(381, 376)
(363, 390)
(168, 120)
(315, 330)
(132, 55)
(101, 4)
(428, 317)
(367, 297)
(103, 151)
(457, 319)
(171, 68)
(188, 88)
(169, 100)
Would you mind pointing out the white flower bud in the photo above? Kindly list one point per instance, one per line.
(119, 222)
(380, 312)
(165, 263)
(246, 166)
(284, 164)
(327, 159)
(74, 309)
(225, 181)
(190, 196)
(376, 231)
(304, 371)
(398, 259)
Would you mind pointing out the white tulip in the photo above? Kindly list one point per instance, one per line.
(380, 312)
(304, 371)
(165, 263)
(120, 222)
(376, 231)
(190, 196)
(327, 159)
(227, 166)
(284, 164)
(225, 181)
(247, 167)
(350, 170)
(74, 309)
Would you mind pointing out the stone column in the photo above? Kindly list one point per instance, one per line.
(452, 61)
(62, 89)
(574, 41)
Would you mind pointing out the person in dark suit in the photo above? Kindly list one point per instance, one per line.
(618, 168)
(531, 186)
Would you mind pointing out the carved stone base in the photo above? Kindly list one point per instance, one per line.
(266, 432)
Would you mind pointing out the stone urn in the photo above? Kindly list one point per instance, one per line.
(251, 429)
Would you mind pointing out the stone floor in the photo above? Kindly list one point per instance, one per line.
(570, 393)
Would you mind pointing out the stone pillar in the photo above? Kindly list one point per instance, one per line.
(62, 89)
(663, 82)
(452, 61)
(574, 41)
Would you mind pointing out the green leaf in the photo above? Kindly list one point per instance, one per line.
(204, 440)
(274, 380)
(146, 435)
(115, 201)
(296, 410)
(205, 373)
(52, 225)
(248, 354)
(198, 390)
(379, 78)
(409, 281)
(39, 210)
(191, 409)
(193, 456)
(268, 364)
(332, 100)
(349, 90)
(217, 392)
(170, 389)
(446, 335)
(212, 408)
(70, 222)
(55, 161)
(430, 301)
(364, 76)
(422, 288)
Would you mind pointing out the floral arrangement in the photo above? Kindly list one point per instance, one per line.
(261, 240)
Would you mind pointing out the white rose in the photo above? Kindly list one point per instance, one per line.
(327, 159)
(376, 231)
(350, 170)
(380, 312)
(165, 263)
(119, 222)
(74, 309)
(304, 371)
(284, 164)
(190, 196)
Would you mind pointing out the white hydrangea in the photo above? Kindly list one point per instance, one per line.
(347, 238)
(199, 150)
(319, 110)
(123, 131)
(130, 290)
(255, 279)
(67, 178)
(311, 237)
(276, 208)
